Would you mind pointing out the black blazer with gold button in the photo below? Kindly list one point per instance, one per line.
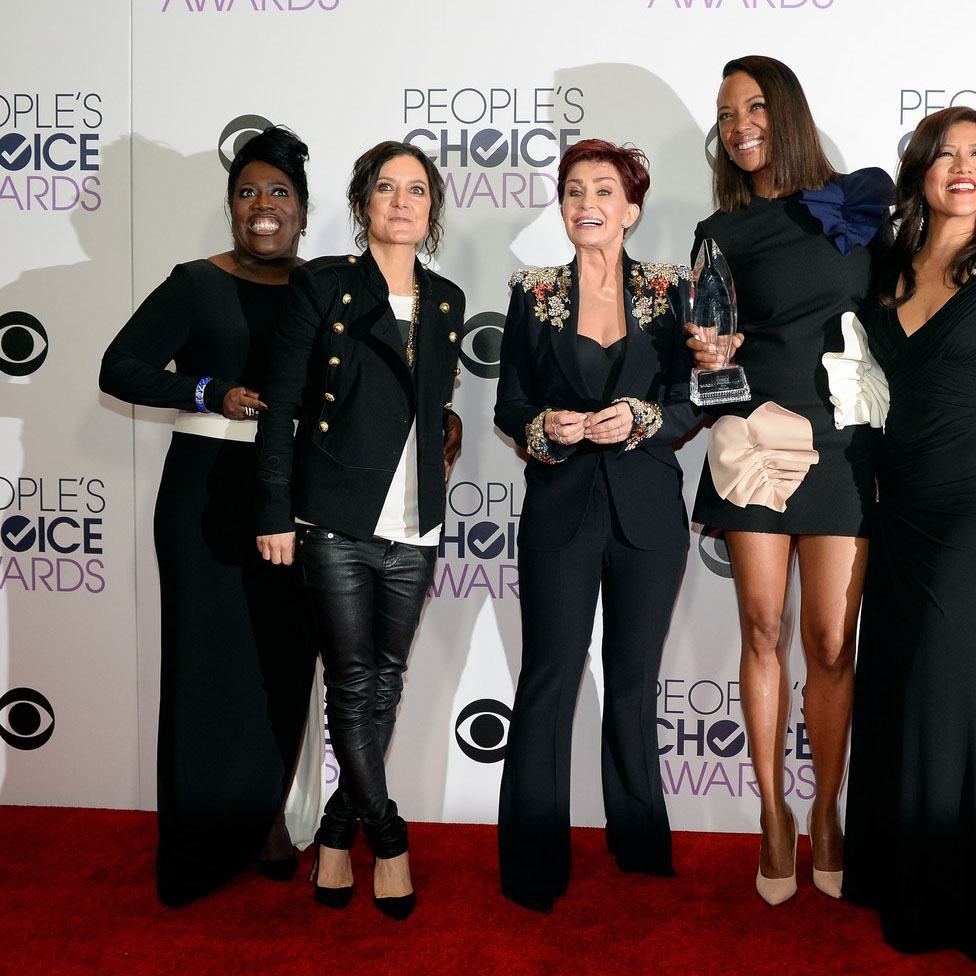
(540, 370)
(339, 366)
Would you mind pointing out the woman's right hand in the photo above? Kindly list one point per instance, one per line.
(565, 426)
(706, 352)
(242, 403)
(278, 548)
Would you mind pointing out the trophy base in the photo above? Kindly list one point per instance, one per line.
(712, 386)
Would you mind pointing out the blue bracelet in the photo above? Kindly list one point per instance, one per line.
(198, 393)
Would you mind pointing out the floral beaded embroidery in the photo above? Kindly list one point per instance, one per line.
(550, 288)
(650, 282)
(537, 442)
(647, 419)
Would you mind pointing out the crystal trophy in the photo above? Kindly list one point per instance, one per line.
(709, 302)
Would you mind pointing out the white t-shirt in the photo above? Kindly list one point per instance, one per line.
(399, 519)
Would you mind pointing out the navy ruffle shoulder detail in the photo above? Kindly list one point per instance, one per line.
(851, 208)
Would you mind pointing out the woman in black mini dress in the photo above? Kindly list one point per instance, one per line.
(789, 475)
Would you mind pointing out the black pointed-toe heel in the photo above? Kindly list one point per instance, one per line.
(534, 902)
(330, 897)
(278, 869)
(398, 907)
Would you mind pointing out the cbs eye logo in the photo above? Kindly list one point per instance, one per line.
(481, 344)
(23, 344)
(714, 552)
(26, 719)
(481, 730)
(236, 134)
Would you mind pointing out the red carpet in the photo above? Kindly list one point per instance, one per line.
(77, 897)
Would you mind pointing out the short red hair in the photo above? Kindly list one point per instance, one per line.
(629, 162)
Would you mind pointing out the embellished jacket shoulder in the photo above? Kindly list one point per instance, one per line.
(654, 289)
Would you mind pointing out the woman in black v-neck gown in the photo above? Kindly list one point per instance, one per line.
(911, 815)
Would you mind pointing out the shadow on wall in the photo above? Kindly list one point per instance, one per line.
(69, 632)
(65, 566)
(625, 104)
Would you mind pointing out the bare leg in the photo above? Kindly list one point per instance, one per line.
(832, 572)
(762, 564)
(391, 876)
(335, 868)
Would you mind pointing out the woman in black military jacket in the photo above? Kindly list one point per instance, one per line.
(366, 357)
(594, 385)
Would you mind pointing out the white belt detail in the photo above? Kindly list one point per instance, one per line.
(215, 425)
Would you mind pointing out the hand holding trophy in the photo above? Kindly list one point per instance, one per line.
(709, 304)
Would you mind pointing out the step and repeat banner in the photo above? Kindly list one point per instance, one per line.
(117, 121)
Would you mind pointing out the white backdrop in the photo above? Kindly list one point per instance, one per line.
(113, 119)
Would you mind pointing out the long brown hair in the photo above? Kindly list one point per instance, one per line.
(796, 156)
(911, 206)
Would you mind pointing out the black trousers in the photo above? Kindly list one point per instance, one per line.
(367, 598)
(558, 597)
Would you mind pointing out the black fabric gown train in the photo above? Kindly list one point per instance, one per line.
(911, 816)
(236, 659)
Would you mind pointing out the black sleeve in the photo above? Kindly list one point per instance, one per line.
(678, 414)
(134, 365)
(291, 351)
(516, 402)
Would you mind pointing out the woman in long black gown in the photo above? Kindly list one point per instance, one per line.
(236, 664)
(911, 813)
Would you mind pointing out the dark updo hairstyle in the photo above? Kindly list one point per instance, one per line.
(911, 207)
(629, 162)
(793, 145)
(366, 171)
(278, 147)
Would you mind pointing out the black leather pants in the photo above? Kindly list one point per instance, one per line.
(367, 598)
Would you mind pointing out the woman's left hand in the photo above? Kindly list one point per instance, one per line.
(611, 425)
(452, 442)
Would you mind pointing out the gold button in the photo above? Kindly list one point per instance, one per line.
(445, 307)
(329, 398)
(334, 361)
(452, 336)
(346, 299)
(457, 370)
(352, 259)
(338, 328)
(449, 405)
(323, 426)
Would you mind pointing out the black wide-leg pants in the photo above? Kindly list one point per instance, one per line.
(367, 598)
(558, 591)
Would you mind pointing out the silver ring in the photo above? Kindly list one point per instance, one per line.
(250, 411)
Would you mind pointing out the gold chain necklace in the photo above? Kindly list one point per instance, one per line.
(412, 332)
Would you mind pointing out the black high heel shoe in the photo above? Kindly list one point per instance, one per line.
(398, 907)
(330, 897)
(278, 869)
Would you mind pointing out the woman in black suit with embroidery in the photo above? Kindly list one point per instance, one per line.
(594, 385)
(365, 356)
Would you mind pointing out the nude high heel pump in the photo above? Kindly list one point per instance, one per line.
(829, 882)
(775, 891)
